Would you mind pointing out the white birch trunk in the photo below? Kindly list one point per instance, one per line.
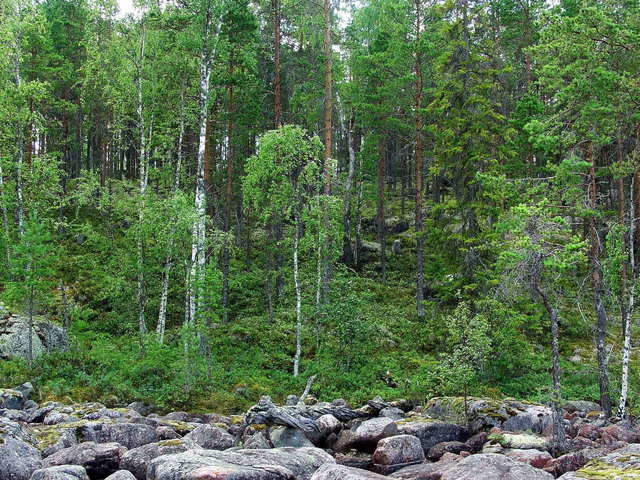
(162, 310)
(296, 280)
(198, 234)
(626, 349)
(143, 172)
(5, 215)
(19, 149)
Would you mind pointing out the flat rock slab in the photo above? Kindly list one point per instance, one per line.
(272, 464)
(342, 472)
(492, 466)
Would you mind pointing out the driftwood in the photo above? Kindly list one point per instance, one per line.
(298, 416)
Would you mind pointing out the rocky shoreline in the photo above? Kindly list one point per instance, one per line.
(442, 440)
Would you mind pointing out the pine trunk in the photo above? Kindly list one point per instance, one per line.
(598, 289)
(418, 171)
(380, 220)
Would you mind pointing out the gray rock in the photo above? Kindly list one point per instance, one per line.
(484, 413)
(581, 406)
(38, 415)
(493, 467)
(328, 424)
(257, 440)
(18, 459)
(14, 337)
(141, 407)
(11, 398)
(428, 471)
(136, 460)
(573, 461)
(365, 435)
(15, 415)
(398, 449)
(396, 247)
(67, 439)
(99, 459)
(522, 441)
(432, 432)
(535, 458)
(439, 449)
(209, 437)
(272, 464)
(61, 472)
(121, 475)
(166, 433)
(393, 413)
(289, 437)
(129, 435)
(341, 472)
(177, 416)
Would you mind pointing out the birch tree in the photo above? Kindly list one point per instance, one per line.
(282, 178)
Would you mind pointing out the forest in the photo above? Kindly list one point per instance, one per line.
(224, 199)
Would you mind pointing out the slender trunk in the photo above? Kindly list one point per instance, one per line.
(168, 264)
(65, 306)
(380, 207)
(328, 99)
(5, 217)
(347, 249)
(227, 210)
(276, 64)
(418, 171)
(198, 253)
(143, 171)
(30, 337)
(19, 166)
(296, 280)
(628, 312)
(358, 221)
(598, 291)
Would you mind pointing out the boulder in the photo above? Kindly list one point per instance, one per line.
(289, 437)
(484, 413)
(141, 407)
(439, 449)
(535, 458)
(166, 433)
(39, 414)
(400, 449)
(129, 435)
(393, 413)
(341, 472)
(61, 472)
(493, 467)
(431, 432)
(15, 398)
(121, 475)
(65, 438)
(574, 460)
(355, 459)
(209, 437)
(365, 435)
(14, 337)
(521, 441)
(18, 459)
(15, 415)
(272, 464)
(620, 464)
(328, 424)
(99, 459)
(257, 440)
(581, 406)
(428, 471)
(137, 459)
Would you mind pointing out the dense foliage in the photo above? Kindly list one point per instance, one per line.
(406, 198)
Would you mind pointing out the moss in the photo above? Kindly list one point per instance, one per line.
(237, 419)
(180, 427)
(416, 419)
(598, 470)
(47, 435)
(171, 443)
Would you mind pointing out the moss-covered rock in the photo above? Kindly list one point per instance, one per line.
(621, 464)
